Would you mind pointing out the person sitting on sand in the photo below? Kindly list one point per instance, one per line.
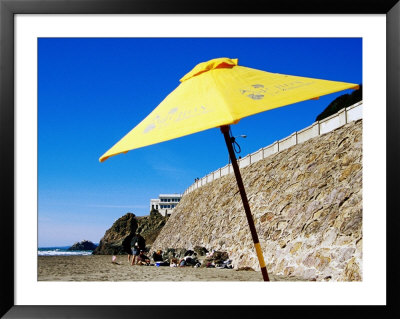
(187, 261)
(174, 262)
(143, 259)
(158, 259)
(157, 256)
(182, 263)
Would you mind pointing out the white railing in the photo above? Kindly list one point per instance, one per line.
(344, 116)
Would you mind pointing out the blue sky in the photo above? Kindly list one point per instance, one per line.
(93, 91)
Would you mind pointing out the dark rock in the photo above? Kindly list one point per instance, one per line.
(220, 256)
(177, 253)
(180, 252)
(201, 251)
(122, 230)
(189, 253)
(245, 269)
(150, 226)
(216, 258)
(83, 245)
(169, 254)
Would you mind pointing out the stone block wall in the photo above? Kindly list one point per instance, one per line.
(307, 207)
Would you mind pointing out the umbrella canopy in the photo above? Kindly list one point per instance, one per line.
(220, 92)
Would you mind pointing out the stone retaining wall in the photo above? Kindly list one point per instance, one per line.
(307, 206)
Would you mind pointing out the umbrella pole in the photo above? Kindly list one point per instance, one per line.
(228, 141)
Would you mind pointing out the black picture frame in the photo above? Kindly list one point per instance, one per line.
(9, 8)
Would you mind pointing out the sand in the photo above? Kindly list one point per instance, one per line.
(100, 268)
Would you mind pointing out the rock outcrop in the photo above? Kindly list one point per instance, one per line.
(83, 245)
(122, 229)
(150, 226)
(307, 207)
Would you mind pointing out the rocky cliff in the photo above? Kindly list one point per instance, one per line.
(307, 207)
(124, 229)
(150, 226)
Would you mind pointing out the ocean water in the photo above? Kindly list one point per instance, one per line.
(62, 251)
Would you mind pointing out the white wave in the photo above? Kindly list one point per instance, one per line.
(57, 252)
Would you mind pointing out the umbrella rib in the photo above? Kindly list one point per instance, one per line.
(228, 108)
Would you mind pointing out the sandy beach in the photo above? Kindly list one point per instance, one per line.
(100, 268)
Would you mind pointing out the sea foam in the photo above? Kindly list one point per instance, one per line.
(63, 252)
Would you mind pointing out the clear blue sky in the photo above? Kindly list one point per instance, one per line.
(93, 91)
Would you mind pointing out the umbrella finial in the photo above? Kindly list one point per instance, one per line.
(219, 63)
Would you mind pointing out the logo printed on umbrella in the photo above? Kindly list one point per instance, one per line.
(256, 92)
(175, 115)
(292, 86)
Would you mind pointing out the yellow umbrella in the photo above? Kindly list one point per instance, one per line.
(218, 93)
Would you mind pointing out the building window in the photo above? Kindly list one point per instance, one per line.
(156, 206)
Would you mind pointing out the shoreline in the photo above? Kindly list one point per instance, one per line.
(100, 268)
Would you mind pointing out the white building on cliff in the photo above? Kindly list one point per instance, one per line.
(165, 203)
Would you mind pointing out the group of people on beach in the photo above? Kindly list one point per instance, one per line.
(136, 256)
